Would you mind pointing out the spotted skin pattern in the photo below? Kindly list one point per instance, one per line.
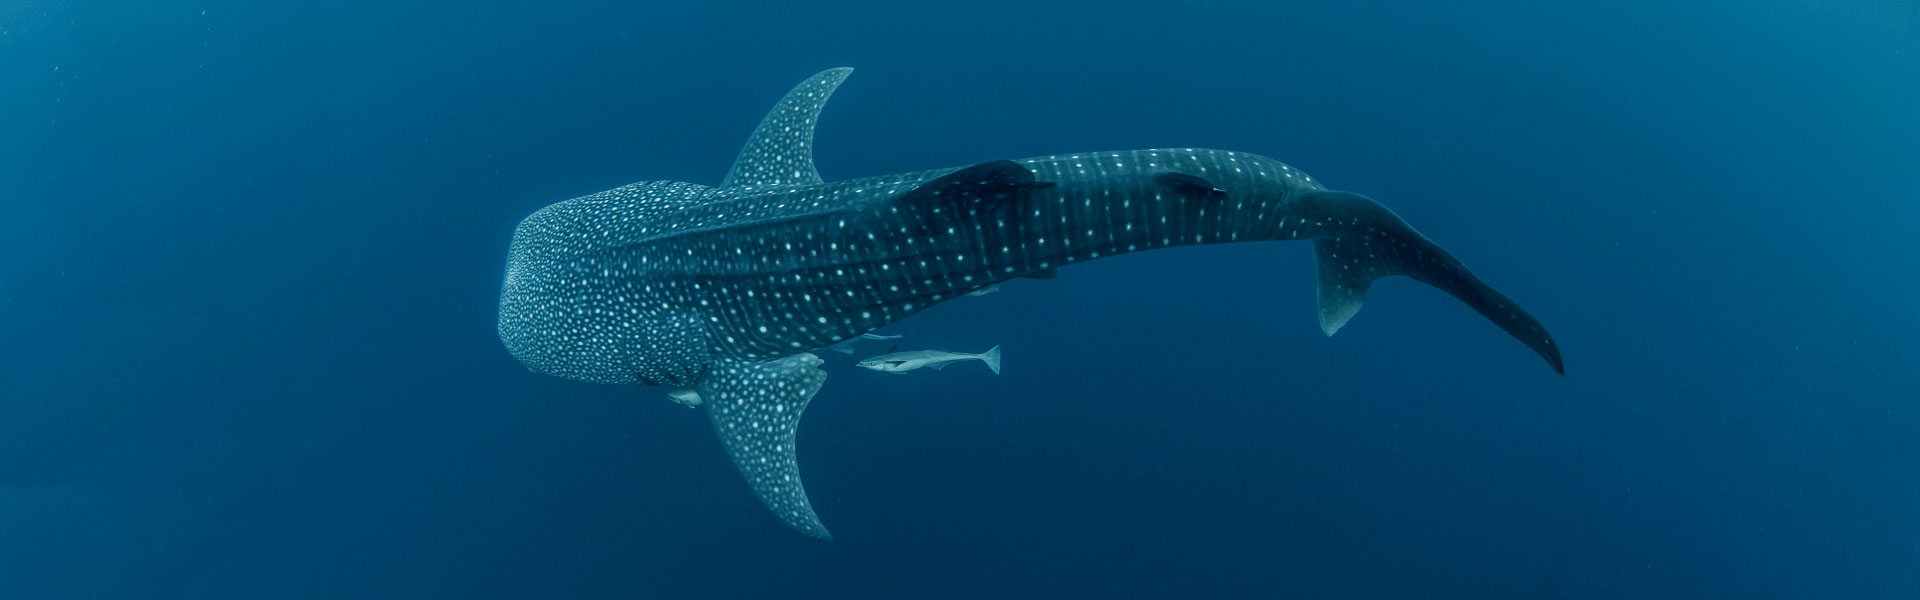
(781, 149)
(721, 293)
(756, 411)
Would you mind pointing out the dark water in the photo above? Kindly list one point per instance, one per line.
(252, 252)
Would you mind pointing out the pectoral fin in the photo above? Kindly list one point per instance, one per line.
(755, 407)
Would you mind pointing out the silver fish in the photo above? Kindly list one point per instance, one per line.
(913, 360)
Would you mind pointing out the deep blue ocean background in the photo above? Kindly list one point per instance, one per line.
(250, 256)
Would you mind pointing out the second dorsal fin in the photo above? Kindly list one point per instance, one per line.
(781, 149)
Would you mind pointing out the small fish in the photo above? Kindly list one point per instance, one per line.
(992, 289)
(901, 362)
(687, 397)
(847, 345)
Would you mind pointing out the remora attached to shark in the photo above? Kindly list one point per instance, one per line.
(719, 293)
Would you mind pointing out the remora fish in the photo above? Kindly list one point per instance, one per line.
(847, 346)
(718, 293)
(913, 360)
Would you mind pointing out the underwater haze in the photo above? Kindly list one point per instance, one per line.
(253, 258)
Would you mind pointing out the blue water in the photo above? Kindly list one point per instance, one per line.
(252, 253)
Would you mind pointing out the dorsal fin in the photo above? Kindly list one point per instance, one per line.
(988, 183)
(1188, 184)
(781, 149)
(945, 202)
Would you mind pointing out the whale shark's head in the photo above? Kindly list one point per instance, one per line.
(541, 321)
(569, 306)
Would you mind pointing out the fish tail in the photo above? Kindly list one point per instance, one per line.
(992, 358)
(1371, 242)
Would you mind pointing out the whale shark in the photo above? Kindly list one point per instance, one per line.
(721, 294)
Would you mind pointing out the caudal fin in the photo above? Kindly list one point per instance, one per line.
(1364, 241)
(992, 358)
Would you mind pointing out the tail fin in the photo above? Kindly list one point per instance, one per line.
(1365, 242)
(992, 358)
